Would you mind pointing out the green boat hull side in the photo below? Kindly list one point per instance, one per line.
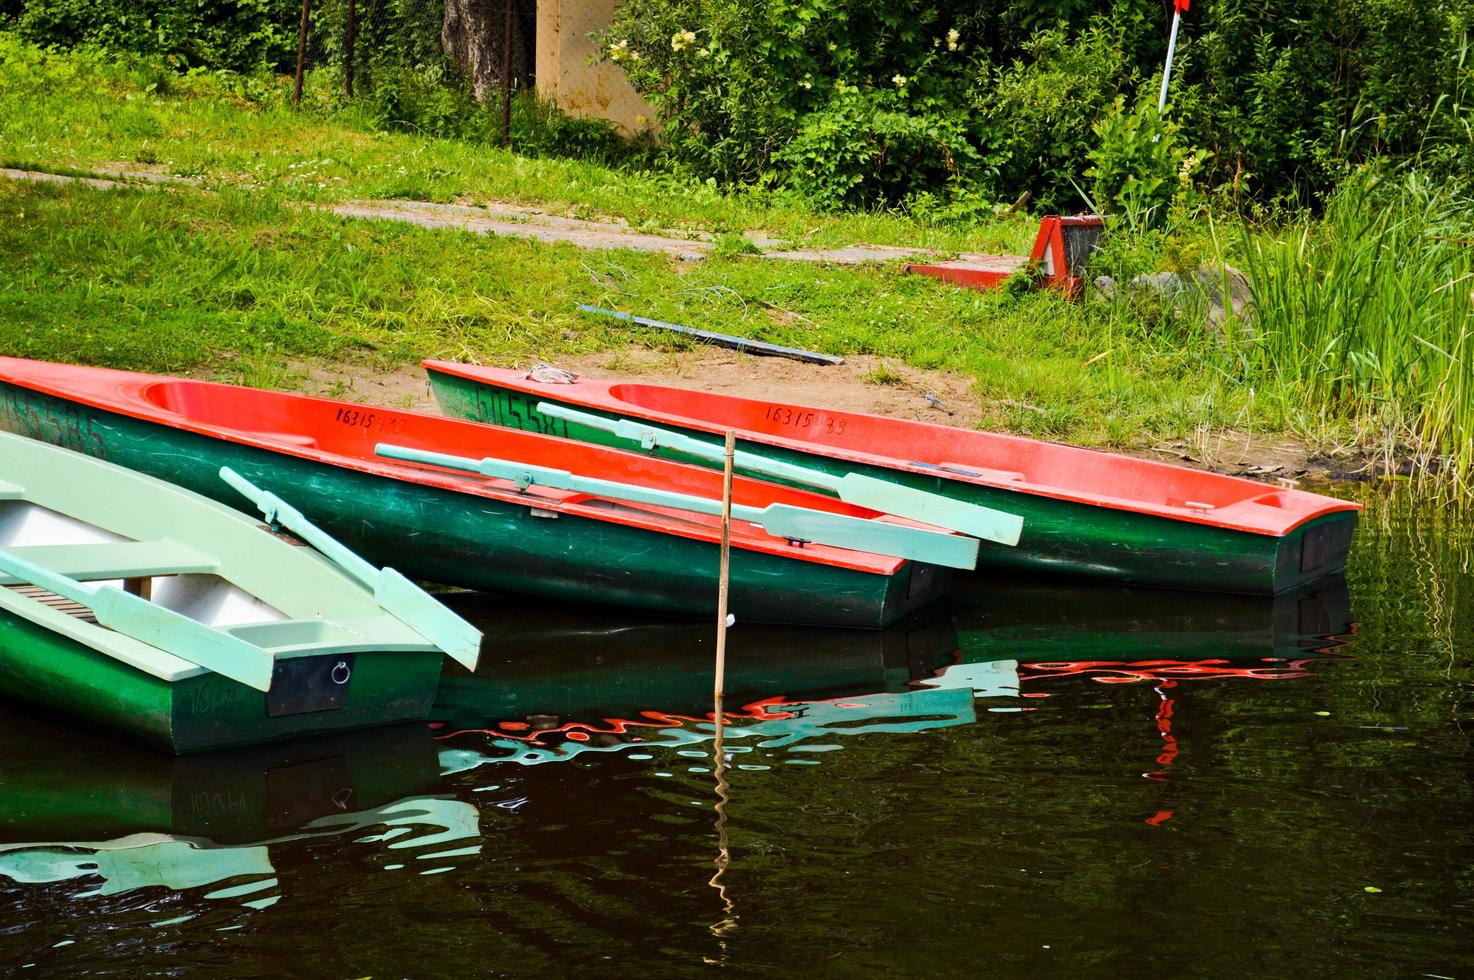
(207, 711)
(1060, 537)
(482, 543)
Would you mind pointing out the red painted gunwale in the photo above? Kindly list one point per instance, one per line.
(1011, 463)
(312, 428)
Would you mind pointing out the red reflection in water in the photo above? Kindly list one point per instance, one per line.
(1164, 672)
(581, 731)
(1140, 671)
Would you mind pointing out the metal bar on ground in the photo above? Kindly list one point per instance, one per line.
(722, 339)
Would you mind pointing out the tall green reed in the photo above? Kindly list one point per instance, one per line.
(1367, 316)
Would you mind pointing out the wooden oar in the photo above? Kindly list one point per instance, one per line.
(156, 626)
(779, 520)
(400, 597)
(853, 488)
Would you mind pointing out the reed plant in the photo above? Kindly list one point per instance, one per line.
(1366, 316)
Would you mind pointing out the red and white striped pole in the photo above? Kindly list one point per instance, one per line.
(1178, 6)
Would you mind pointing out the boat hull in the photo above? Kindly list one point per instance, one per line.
(483, 542)
(1060, 537)
(57, 674)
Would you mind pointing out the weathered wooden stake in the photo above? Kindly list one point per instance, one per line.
(718, 714)
(350, 34)
(725, 574)
(301, 51)
(507, 77)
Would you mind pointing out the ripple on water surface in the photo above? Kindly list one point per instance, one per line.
(1035, 778)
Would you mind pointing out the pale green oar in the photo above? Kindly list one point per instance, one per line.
(853, 488)
(160, 628)
(400, 597)
(779, 520)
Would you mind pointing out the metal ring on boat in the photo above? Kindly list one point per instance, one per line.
(341, 673)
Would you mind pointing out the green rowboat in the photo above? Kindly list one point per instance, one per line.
(136, 606)
(1084, 514)
(641, 549)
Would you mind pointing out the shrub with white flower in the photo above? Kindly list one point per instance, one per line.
(899, 81)
(618, 50)
(953, 36)
(681, 40)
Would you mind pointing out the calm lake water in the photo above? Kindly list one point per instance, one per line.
(1033, 780)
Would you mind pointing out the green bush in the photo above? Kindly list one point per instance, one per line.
(864, 147)
(1138, 164)
(238, 35)
(1035, 114)
(938, 106)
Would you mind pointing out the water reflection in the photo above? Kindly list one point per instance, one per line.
(110, 819)
(878, 754)
(557, 684)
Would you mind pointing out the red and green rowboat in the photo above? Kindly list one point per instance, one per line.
(467, 529)
(1085, 513)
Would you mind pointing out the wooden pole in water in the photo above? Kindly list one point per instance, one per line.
(726, 568)
(350, 35)
(718, 716)
(301, 51)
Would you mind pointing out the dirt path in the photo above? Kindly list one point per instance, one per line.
(861, 384)
(515, 220)
(505, 219)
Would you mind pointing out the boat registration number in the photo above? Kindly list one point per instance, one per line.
(369, 420)
(803, 418)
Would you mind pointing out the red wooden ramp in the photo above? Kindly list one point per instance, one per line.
(1059, 253)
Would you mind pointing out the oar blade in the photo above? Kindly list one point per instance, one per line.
(986, 523)
(877, 537)
(423, 613)
(185, 638)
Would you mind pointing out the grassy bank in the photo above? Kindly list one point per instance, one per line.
(168, 281)
(1362, 338)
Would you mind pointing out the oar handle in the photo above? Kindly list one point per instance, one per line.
(62, 585)
(778, 520)
(277, 511)
(524, 475)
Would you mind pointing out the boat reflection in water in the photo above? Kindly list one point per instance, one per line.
(115, 819)
(553, 685)
(1124, 633)
(556, 684)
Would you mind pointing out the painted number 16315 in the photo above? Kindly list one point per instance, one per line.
(802, 418)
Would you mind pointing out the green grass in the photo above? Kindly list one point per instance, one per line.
(1363, 336)
(83, 112)
(1367, 316)
(236, 281)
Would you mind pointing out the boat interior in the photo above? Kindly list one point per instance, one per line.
(345, 429)
(991, 457)
(168, 574)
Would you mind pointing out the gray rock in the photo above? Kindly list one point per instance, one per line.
(1217, 292)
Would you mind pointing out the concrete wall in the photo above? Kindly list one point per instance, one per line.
(564, 72)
